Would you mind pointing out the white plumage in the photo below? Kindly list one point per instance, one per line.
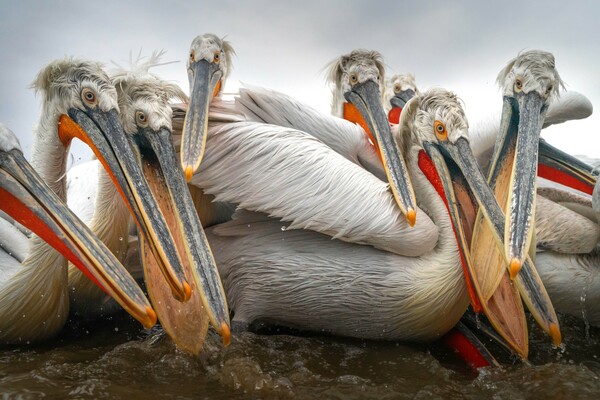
(276, 272)
(259, 167)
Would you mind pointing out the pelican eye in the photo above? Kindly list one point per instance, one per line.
(440, 130)
(518, 85)
(353, 79)
(397, 88)
(217, 57)
(549, 89)
(141, 119)
(89, 96)
(192, 56)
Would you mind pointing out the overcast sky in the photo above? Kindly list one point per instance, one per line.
(457, 45)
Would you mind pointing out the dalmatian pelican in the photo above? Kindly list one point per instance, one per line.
(278, 273)
(208, 66)
(357, 82)
(398, 90)
(33, 281)
(146, 116)
(528, 83)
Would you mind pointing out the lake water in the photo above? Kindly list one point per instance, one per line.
(114, 358)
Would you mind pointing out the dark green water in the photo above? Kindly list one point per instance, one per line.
(115, 359)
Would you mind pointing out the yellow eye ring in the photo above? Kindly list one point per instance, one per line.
(397, 88)
(217, 57)
(353, 79)
(192, 56)
(440, 130)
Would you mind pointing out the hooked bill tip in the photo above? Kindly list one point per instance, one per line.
(189, 172)
(515, 267)
(151, 317)
(555, 334)
(187, 291)
(225, 334)
(411, 217)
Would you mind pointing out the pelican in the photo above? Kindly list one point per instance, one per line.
(357, 82)
(528, 83)
(33, 281)
(208, 54)
(146, 116)
(398, 90)
(208, 66)
(564, 275)
(278, 273)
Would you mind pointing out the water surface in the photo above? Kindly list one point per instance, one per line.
(114, 358)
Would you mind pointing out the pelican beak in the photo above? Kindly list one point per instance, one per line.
(205, 79)
(449, 182)
(32, 203)
(167, 181)
(560, 167)
(402, 97)
(367, 99)
(528, 282)
(515, 165)
(102, 131)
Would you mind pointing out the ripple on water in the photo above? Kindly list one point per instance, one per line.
(97, 362)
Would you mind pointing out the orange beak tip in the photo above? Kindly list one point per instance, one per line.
(411, 217)
(151, 317)
(555, 334)
(515, 267)
(187, 290)
(189, 172)
(225, 334)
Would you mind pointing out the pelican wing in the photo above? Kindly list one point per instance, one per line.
(344, 137)
(290, 175)
(560, 229)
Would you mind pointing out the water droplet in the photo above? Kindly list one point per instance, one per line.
(116, 329)
(283, 228)
(120, 238)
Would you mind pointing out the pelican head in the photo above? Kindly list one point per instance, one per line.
(529, 82)
(32, 203)
(434, 129)
(399, 89)
(209, 65)
(358, 78)
(146, 115)
(81, 97)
